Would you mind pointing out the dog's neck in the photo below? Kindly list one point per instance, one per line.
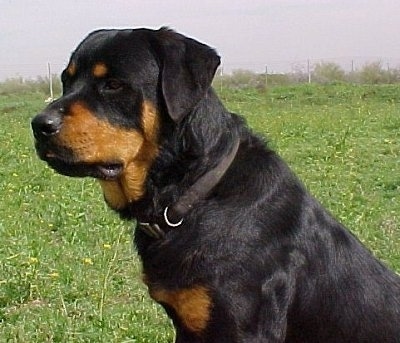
(190, 164)
(174, 214)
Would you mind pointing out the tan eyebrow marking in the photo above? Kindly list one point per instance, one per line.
(99, 70)
(71, 69)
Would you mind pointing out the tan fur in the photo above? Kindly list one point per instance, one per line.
(130, 186)
(71, 69)
(95, 140)
(99, 70)
(192, 305)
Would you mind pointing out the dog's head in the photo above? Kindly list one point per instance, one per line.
(119, 89)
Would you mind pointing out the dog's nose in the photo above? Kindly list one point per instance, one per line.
(47, 123)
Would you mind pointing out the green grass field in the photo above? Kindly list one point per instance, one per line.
(68, 270)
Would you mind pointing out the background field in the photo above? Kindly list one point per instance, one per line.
(68, 272)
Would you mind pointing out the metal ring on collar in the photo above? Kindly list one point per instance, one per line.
(167, 220)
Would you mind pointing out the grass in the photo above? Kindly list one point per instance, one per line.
(68, 272)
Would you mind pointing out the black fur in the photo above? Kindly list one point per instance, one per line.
(278, 267)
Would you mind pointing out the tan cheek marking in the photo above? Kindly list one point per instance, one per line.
(192, 305)
(114, 194)
(100, 70)
(71, 69)
(150, 122)
(95, 141)
(130, 186)
(133, 180)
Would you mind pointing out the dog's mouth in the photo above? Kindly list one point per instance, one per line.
(66, 165)
(103, 171)
(109, 171)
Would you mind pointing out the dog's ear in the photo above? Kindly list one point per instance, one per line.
(187, 70)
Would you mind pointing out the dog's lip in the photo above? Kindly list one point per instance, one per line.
(50, 155)
(100, 170)
(110, 171)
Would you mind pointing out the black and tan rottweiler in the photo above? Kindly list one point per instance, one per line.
(232, 245)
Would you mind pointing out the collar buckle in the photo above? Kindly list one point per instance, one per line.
(152, 230)
(193, 195)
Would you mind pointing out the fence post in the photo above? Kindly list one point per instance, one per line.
(50, 81)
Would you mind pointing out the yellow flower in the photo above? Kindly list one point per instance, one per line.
(87, 260)
(33, 260)
(106, 246)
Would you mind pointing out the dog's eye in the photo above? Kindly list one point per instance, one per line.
(112, 85)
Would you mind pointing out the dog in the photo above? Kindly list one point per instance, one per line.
(232, 245)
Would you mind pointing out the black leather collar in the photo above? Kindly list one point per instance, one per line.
(174, 215)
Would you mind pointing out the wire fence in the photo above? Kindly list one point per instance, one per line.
(29, 71)
(348, 64)
(323, 71)
(371, 70)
